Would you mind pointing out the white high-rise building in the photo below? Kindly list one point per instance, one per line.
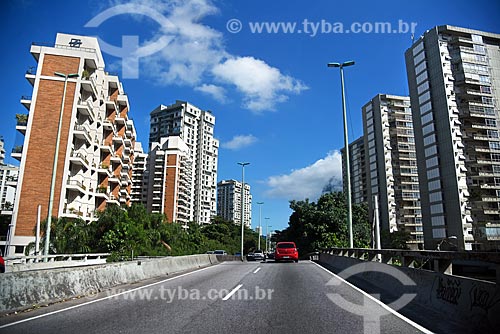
(229, 202)
(358, 171)
(391, 165)
(196, 128)
(454, 80)
(2, 150)
(139, 191)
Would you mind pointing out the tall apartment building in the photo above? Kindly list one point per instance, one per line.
(391, 166)
(2, 151)
(196, 128)
(229, 202)
(8, 185)
(358, 171)
(140, 175)
(454, 80)
(95, 156)
(170, 182)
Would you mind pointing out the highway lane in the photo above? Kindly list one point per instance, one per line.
(266, 297)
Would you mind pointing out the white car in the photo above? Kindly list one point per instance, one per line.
(259, 255)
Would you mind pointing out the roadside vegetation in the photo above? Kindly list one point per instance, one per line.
(323, 224)
(135, 232)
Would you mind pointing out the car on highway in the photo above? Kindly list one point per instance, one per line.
(209, 252)
(250, 256)
(286, 251)
(220, 252)
(258, 255)
(2, 264)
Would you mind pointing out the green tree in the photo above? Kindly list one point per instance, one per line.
(314, 226)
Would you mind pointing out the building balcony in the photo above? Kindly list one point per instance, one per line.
(17, 152)
(485, 137)
(113, 199)
(114, 179)
(90, 85)
(82, 132)
(106, 146)
(122, 99)
(26, 101)
(119, 119)
(75, 184)
(79, 158)
(118, 139)
(22, 122)
(31, 75)
(86, 108)
(104, 169)
(490, 186)
(490, 199)
(127, 142)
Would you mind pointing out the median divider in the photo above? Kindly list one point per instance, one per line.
(21, 290)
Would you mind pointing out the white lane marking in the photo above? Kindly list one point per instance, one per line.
(397, 314)
(232, 292)
(101, 299)
(257, 270)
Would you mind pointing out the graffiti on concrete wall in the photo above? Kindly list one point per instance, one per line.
(482, 298)
(449, 290)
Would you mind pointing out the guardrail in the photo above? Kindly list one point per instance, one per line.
(439, 261)
(36, 262)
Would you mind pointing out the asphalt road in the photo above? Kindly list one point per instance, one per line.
(231, 297)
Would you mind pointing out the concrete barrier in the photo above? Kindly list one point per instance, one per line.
(20, 290)
(475, 304)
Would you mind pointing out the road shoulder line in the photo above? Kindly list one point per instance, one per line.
(397, 314)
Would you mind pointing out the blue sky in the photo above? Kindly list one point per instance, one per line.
(276, 103)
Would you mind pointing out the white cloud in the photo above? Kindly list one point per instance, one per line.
(262, 85)
(217, 92)
(307, 182)
(239, 142)
(196, 57)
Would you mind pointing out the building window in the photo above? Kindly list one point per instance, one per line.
(435, 197)
(432, 173)
(439, 233)
(426, 118)
(421, 77)
(425, 108)
(431, 139)
(433, 185)
(427, 129)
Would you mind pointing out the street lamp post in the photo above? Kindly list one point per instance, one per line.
(260, 222)
(242, 164)
(267, 233)
(346, 145)
(452, 237)
(54, 167)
